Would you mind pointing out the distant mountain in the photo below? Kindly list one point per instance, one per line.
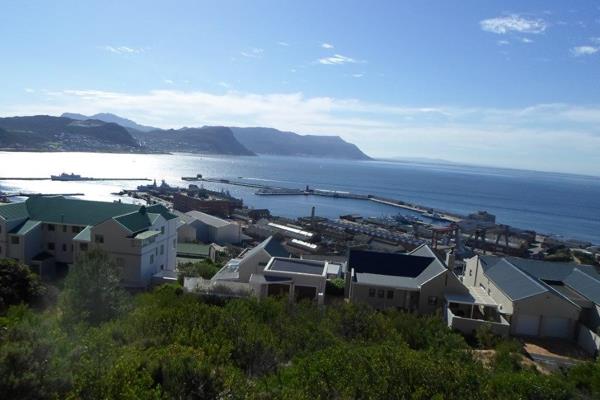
(208, 139)
(107, 117)
(43, 132)
(276, 142)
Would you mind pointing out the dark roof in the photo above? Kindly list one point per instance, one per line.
(584, 284)
(392, 264)
(515, 283)
(297, 265)
(137, 221)
(11, 211)
(24, 227)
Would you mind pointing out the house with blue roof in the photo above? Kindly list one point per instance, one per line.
(45, 231)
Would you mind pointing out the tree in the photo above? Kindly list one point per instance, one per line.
(202, 269)
(18, 285)
(92, 292)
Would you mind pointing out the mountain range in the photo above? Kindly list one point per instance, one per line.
(108, 132)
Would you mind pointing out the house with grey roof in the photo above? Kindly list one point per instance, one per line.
(536, 298)
(415, 282)
(45, 231)
(201, 227)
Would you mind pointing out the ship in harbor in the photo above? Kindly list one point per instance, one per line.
(68, 177)
(198, 177)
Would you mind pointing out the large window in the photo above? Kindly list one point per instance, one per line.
(380, 293)
(51, 227)
(371, 292)
(50, 245)
(99, 238)
(75, 229)
(390, 294)
(151, 258)
(162, 249)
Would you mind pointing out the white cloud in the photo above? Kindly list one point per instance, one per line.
(123, 49)
(564, 136)
(168, 81)
(595, 40)
(526, 40)
(513, 23)
(503, 42)
(253, 52)
(284, 44)
(327, 46)
(584, 50)
(358, 75)
(336, 59)
(29, 90)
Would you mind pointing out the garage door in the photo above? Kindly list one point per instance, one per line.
(556, 327)
(526, 325)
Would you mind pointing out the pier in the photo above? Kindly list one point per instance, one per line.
(82, 179)
(266, 190)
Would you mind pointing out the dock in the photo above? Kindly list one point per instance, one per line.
(266, 190)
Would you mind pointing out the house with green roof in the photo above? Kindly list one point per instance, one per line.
(45, 231)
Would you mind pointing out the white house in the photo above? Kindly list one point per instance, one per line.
(45, 231)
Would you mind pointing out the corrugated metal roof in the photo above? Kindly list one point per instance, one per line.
(584, 284)
(25, 227)
(12, 211)
(207, 219)
(515, 283)
(137, 221)
(59, 210)
(297, 265)
(271, 246)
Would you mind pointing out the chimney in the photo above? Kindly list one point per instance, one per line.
(450, 259)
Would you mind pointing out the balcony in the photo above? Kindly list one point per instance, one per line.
(469, 326)
(468, 311)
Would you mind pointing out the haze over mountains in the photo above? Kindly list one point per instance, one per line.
(109, 132)
(219, 140)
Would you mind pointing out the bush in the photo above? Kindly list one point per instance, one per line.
(18, 285)
(202, 269)
(335, 287)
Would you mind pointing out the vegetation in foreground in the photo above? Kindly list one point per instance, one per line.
(98, 342)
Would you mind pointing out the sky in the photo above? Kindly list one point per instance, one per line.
(505, 83)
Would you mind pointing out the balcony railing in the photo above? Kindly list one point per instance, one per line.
(470, 326)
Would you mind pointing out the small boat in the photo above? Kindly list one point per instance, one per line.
(68, 177)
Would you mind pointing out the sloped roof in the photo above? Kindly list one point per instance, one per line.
(137, 221)
(206, 219)
(394, 270)
(297, 265)
(12, 211)
(25, 227)
(271, 246)
(162, 210)
(585, 284)
(515, 283)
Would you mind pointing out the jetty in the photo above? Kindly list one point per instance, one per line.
(267, 190)
(77, 179)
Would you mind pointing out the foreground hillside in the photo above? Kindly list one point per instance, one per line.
(101, 344)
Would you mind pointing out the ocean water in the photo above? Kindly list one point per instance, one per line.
(561, 204)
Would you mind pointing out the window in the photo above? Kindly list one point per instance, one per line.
(0, 250)
(371, 292)
(64, 228)
(51, 227)
(151, 258)
(162, 230)
(64, 247)
(0, 228)
(432, 300)
(75, 229)
(50, 245)
(470, 272)
(14, 239)
(156, 251)
(380, 293)
(162, 249)
(390, 294)
(174, 243)
(83, 246)
(99, 238)
(162, 267)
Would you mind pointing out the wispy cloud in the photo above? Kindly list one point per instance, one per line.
(327, 46)
(337, 59)
(584, 51)
(168, 81)
(503, 42)
(358, 75)
(123, 49)
(513, 23)
(526, 40)
(29, 90)
(253, 52)
(284, 44)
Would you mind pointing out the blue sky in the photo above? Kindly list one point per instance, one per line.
(507, 83)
